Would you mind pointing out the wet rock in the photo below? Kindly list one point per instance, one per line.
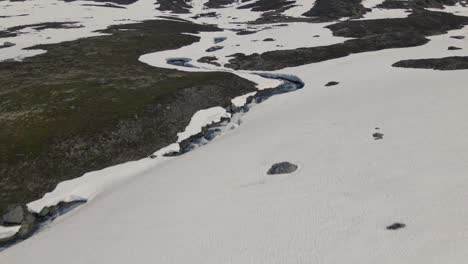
(377, 136)
(218, 3)
(442, 64)
(332, 83)
(282, 168)
(28, 227)
(185, 62)
(219, 40)
(209, 14)
(453, 48)
(210, 60)
(327, 10)
(214, 48)
(396, 226)
(15, 215)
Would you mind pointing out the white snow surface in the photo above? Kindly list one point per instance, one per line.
(8, 231)
(216, 204)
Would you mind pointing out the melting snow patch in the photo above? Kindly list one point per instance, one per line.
(8, 231)
(282, 168)
(201, 119)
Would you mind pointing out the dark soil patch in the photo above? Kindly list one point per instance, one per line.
(442, 64)
(332, 83)
(327, 10)
(218, 3)
(417, 4)
(210, 60)
(89, 104)
(175, 6)
(282, 168)
(396, 226)
(268, 5)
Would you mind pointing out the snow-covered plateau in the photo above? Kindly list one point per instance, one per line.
(374, 144)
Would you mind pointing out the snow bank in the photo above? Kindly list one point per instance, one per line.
(6, 232)
(201, 119)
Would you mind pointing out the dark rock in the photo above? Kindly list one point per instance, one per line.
(332, 83)
(214, 48)
(209, 14)
(457, 37)
(8, 44)
(269, 39)
(282, 168)
(454, 48)
(396, 226)
(219, 40)
(15, 215)
(377, 136)
(210, 60)
(184, 62)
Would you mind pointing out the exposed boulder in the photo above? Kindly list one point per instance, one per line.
(214, 48)
(332, 83)
(15, 215)
(282, 168)
(335, 9)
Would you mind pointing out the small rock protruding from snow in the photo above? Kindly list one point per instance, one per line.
(219, 40)
(332, 83)
(282, 168)
(457, 37)
(7, 45)
(453, 48)
(14, 216)
(396, 226)
(269, 39)
(214, 48)
(377, 136)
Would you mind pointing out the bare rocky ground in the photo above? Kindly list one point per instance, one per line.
(89, 104)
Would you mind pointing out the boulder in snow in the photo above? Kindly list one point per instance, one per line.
(282, 168)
